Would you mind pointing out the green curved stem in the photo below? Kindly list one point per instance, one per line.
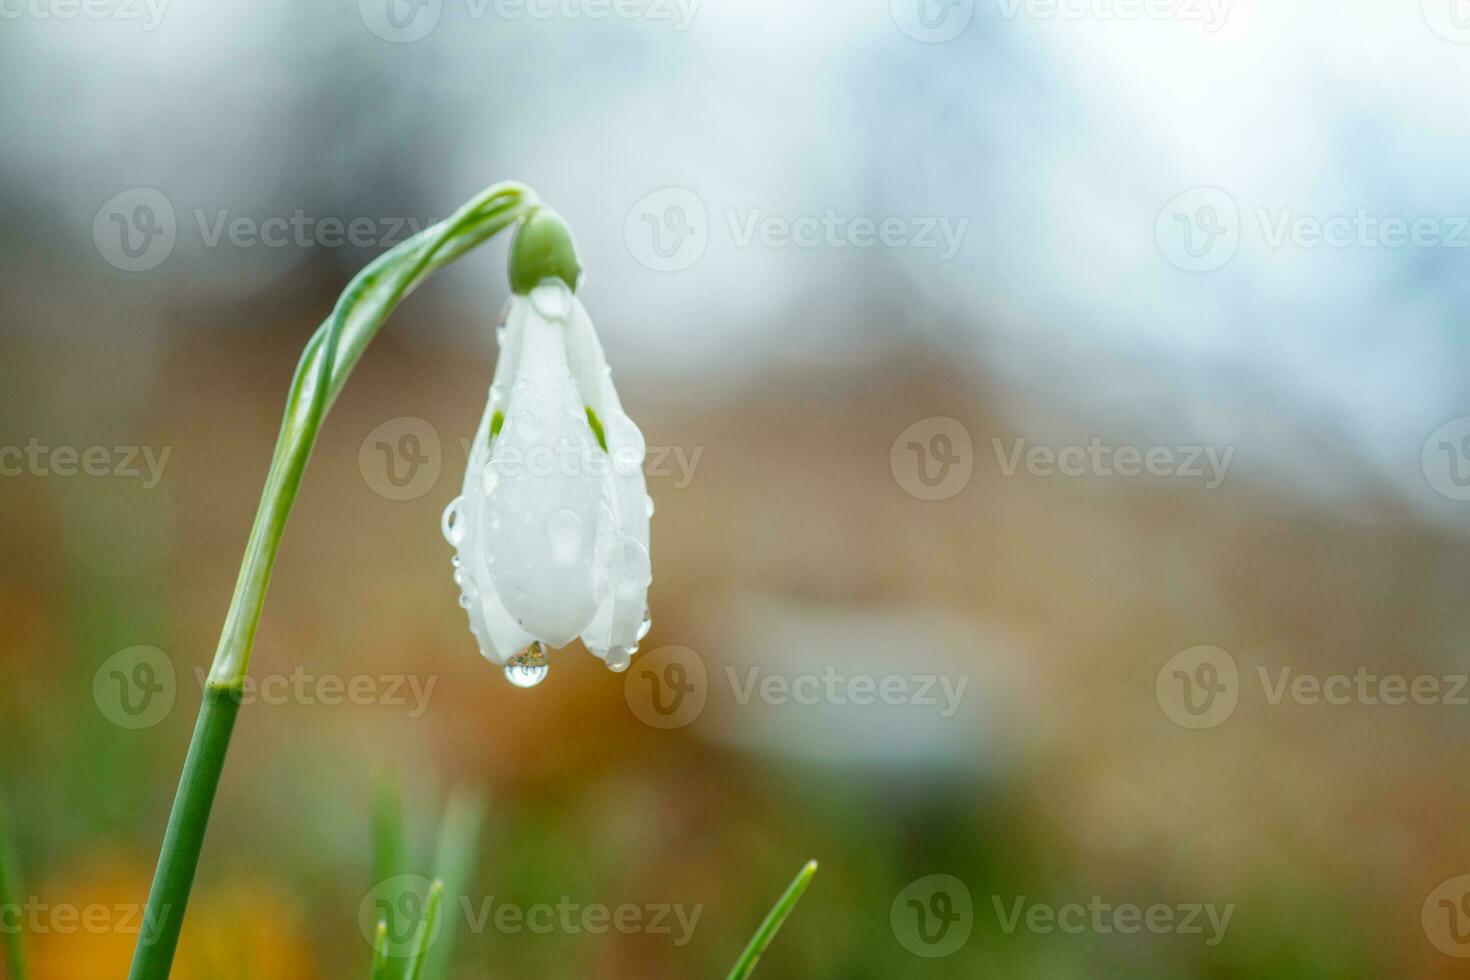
(329, 358)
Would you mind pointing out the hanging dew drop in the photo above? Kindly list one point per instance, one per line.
(618, 658)
(527, 668)
(451, 525)
(645, 626)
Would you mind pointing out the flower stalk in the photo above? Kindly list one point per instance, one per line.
(329, 358)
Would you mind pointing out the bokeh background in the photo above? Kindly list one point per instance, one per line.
(1130, 193)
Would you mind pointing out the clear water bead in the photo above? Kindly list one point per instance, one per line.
(451, 525)
(618, 658)
(527, 668)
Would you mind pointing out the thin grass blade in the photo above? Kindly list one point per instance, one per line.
(455, 854)
(380, 952)
(10, 896)
(427, 930)
(772, 924)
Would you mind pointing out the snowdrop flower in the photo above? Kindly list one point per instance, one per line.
(551, 528)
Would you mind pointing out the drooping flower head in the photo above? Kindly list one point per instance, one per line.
(551, 528)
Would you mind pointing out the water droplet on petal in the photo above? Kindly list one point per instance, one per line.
(564, 532)
(488, 479)
(528, 426)
(645, 626)
(634, 570)
(451, 524)
(618, 658)
(648, 503)
(527, 668)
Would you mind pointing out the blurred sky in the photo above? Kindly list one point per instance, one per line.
(1059, 140)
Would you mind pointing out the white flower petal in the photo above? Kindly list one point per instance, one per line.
(551, 497)
(630, 569)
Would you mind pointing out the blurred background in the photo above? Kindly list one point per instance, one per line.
(1059, 428)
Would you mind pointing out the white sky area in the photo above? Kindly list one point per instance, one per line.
(1058, 139)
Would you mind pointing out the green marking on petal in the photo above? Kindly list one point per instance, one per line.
(597, 431)
(497, 422)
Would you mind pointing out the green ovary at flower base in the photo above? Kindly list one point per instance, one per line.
(551, 527)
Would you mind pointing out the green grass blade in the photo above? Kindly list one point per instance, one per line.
(390, 841)
(10, 895)
(380, 953)
(772, 924)
(427, 929)
(455, 854)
